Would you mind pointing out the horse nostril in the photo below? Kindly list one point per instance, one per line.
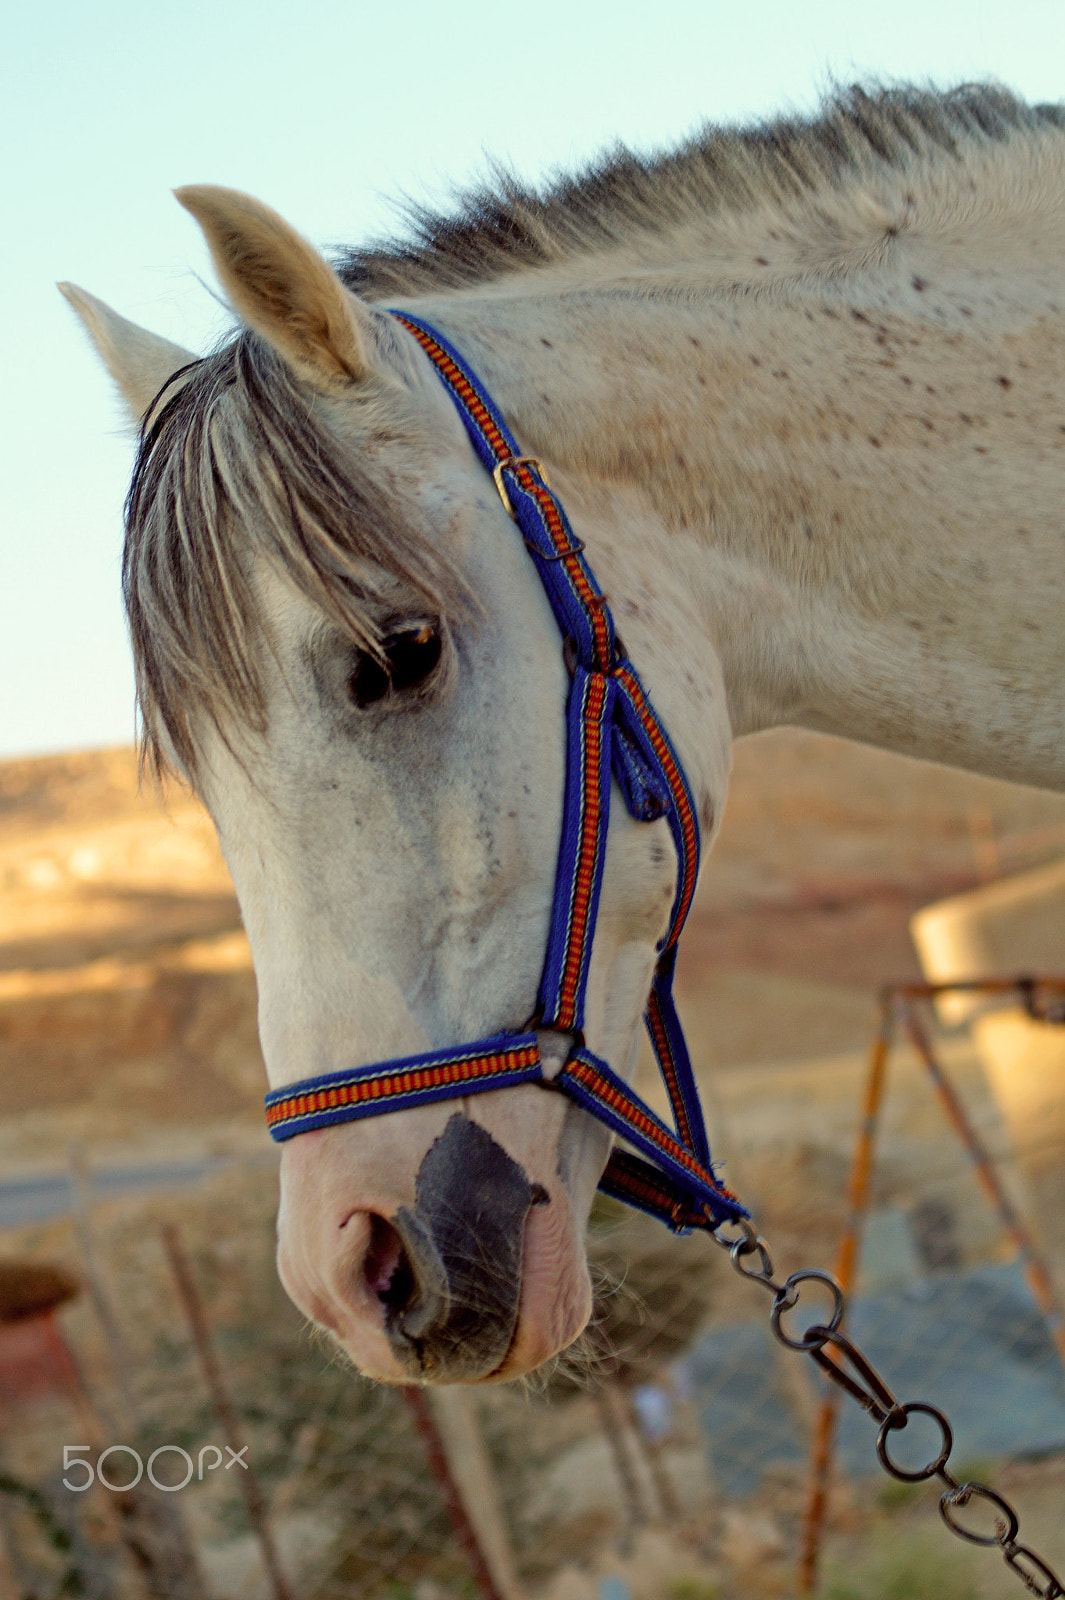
(387, 1268)
(464, 1240)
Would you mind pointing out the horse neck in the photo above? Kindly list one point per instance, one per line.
(859, 470)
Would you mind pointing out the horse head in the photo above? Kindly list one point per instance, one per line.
(342, 644)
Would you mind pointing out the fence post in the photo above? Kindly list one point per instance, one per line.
(455, 1409)
(181, 1267)
(613, 1416)
(436, 1451)
(651, 1450)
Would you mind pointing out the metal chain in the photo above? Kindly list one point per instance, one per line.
(840, 1359)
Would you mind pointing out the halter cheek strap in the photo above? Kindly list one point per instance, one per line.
(612, 735)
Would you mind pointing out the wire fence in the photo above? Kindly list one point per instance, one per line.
(669, 1455)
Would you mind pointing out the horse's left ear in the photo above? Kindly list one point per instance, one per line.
(140, 362)
(283, 288)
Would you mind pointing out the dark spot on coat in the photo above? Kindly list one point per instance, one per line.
(1006, 383)
(693, 340)
(761, 261)
(920, 284)
(874, 441)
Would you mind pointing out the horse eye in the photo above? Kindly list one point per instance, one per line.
(412, 655)
(408, 658)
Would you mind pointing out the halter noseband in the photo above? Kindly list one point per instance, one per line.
(612, 732)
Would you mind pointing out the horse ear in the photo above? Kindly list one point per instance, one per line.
(140, 362)
(283, 288)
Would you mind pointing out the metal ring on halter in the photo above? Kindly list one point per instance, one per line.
(787, 1297)
(897, 1419)
(752, 1244)
(721, 1237)
(516, 461)
(977, 1491)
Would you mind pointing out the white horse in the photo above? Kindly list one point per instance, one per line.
(802, 392)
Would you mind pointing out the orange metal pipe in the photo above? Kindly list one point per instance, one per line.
(992, 986)
(858, 1187)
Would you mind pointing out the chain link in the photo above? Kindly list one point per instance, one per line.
(840, 1359)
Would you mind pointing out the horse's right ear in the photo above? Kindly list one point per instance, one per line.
(140, 362)
(280, 286)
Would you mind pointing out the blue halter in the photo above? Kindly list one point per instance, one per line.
(612, 734)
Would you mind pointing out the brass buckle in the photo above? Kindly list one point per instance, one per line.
(515, 461)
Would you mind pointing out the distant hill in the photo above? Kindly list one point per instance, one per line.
(127, 999)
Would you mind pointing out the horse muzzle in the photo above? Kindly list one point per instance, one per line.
(473, 1272)
(448, 1270)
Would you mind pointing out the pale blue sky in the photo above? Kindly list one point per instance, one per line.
(328, 111)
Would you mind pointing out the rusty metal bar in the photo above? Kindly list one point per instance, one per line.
(440, 1467)
(858, 1189)
(1017, 1230)
(990, 986)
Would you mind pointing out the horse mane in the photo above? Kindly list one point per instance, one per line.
(506, 227)
(232, 442)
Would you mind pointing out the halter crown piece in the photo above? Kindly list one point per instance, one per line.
(612, 732)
